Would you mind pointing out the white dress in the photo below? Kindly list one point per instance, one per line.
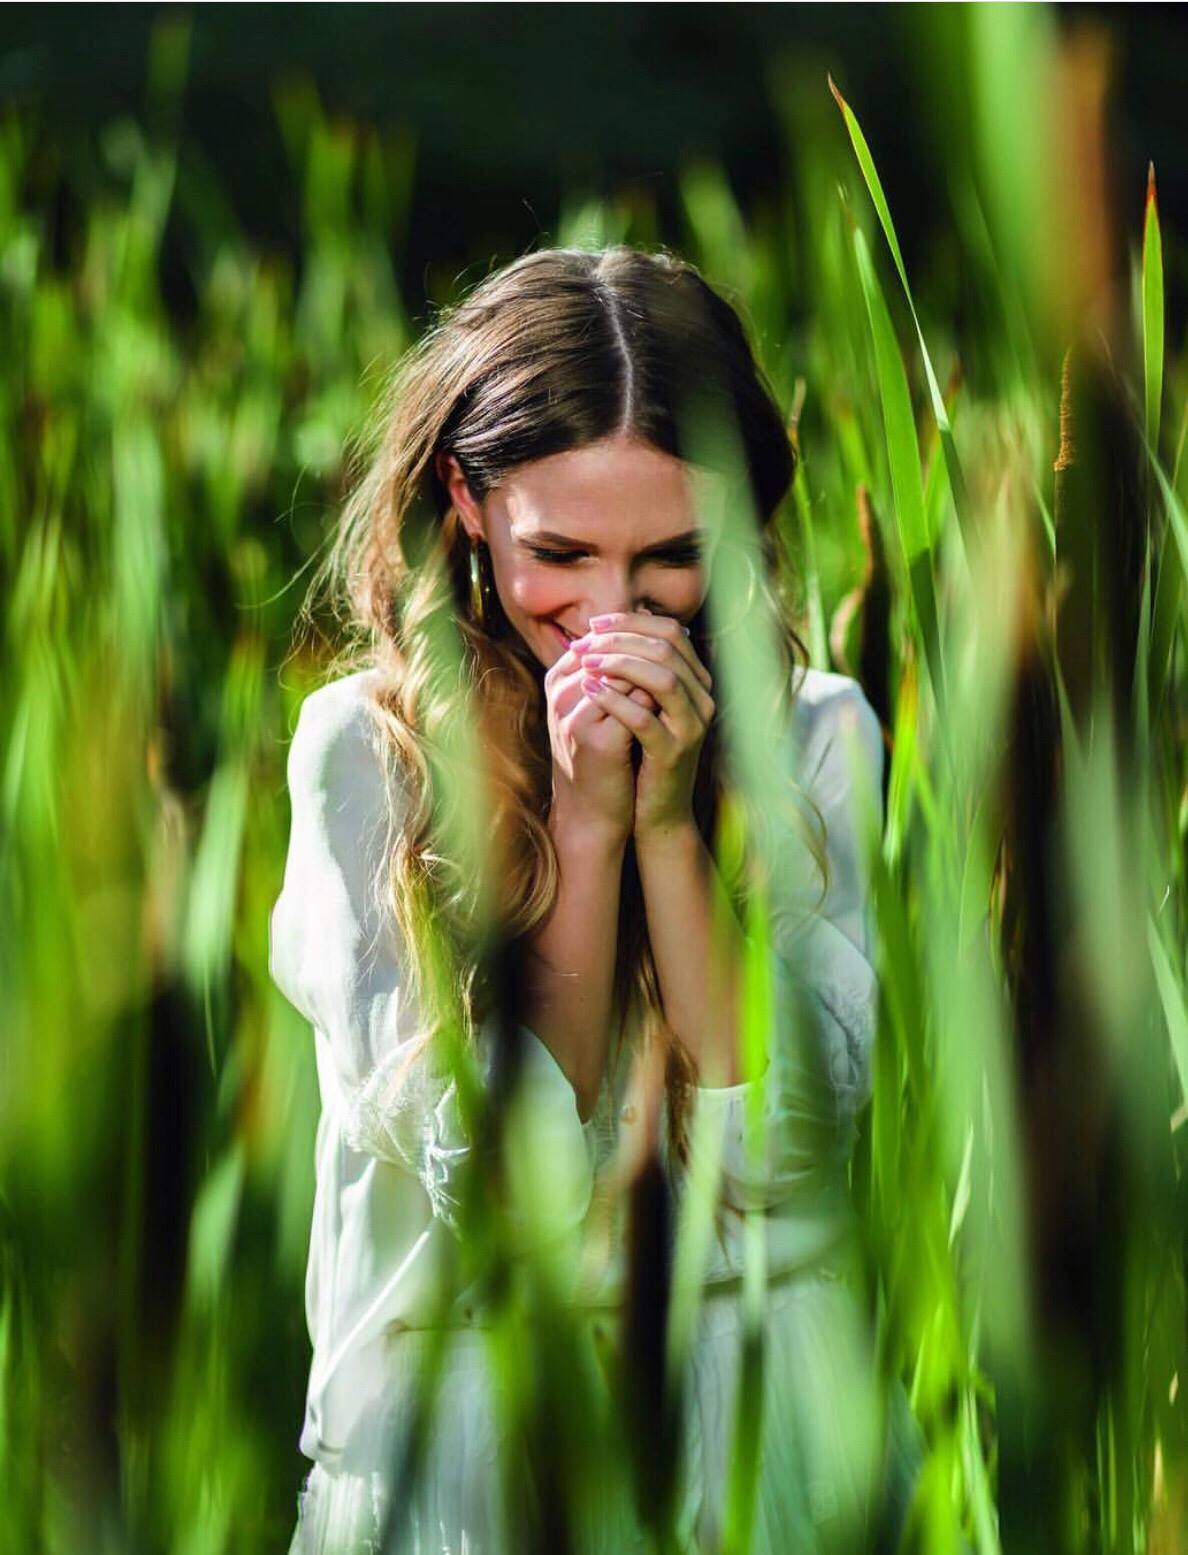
(388, 1158)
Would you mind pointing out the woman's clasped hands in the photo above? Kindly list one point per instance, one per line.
(641, 671)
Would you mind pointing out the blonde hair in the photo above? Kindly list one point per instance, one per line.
(561, 348)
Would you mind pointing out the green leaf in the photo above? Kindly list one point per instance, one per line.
(1177, 518)
(903, 452)
(875, 187)
(1152, 312)
(1171, 996)
(1171, 604)
(212, 1227)
(903, 457)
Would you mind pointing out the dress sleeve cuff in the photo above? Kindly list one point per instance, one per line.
(708, 1095)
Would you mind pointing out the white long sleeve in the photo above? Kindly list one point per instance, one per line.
(337, 955)
(819, 1071)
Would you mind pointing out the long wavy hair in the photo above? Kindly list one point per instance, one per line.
(561, 348)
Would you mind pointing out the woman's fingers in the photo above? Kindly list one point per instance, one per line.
(673, 686)
(638, 694)
(644, 725)
(569, 669)
(651, 636)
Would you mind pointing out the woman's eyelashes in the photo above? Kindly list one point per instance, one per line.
(686, 557)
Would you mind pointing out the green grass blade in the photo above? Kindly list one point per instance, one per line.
(903, 457)
(1171, 996)
(875, 187)
(1177, 518)
(903, 453)
(1177, 462)
(1169, 589)
(874, 184)
(1170, 601)
(1152, 312)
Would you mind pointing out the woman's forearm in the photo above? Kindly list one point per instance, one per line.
(698, 979)
(571, 962)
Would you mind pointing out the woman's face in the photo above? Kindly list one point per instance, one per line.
(614, 526)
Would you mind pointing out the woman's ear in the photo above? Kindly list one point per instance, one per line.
(450, 474)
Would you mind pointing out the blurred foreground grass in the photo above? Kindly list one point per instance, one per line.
(1004, 576)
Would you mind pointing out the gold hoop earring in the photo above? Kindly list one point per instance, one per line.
(483, 599)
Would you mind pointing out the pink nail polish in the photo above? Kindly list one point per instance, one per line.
(592, 658)
(600, 621)
(591, 683)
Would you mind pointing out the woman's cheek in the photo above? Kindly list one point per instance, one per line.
(537, 595)
(545, 592)
(693, 592)
(684, 596)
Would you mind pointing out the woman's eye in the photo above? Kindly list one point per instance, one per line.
(553, 556)
(687, 558)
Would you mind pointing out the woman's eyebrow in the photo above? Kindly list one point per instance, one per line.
(550, 537)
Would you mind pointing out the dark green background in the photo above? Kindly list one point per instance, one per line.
(512, 104)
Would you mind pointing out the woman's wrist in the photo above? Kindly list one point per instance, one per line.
(572, 961)
(674, 835)
(579, 833)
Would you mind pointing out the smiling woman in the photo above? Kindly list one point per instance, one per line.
(532, 485)
(631, 539)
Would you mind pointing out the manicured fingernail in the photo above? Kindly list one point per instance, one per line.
(580, 642)
(592, 658)
(597, 622)
(592, 684)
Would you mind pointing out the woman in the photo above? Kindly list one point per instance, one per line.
(528, 484)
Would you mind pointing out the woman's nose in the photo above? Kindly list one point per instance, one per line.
(617, 603)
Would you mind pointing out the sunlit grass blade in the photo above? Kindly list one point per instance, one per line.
(1169, 589)
(1178, 459)
(875, 187)
(590, 223)
(1171, 996)
(1141, 683)
(1019, 365)
(809, 568)
(746, 1446)
(1169, 585)
(745, 1455)
(903, 455)
(1152, 312)
(723, 242)
(1177, 520)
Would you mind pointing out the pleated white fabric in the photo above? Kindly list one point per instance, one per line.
(830, 1448)
(456, 1505)
(391, 1152)
(453, 1508)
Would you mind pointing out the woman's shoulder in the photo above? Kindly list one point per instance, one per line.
(335, 744)
(829, 711)
(843, 766)
(342, 700)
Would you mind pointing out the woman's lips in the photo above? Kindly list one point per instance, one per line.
(562, 633)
